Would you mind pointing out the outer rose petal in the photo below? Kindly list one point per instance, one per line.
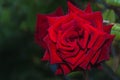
(107, 28)
(95, 19)
(72, 8)
(95, 58)
(41, 29)
(46, 56)
(65, 68)
(52, 20)
(88, 56)
(105, 50)
(58, 12)
(88, 8)
(58, 71)
(94, 31)
(74, 60)
(42, 26)
(54, 58)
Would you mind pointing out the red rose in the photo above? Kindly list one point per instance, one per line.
(75, 41)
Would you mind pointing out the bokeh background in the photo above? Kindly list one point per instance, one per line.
(20, 55)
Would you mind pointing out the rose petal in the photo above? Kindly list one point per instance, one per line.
(95, 19)
(107, 28)
(88, 56)
(105, 50)
(65, 68)
(67, 49)
(62, 43)
(52, 20)
(72, 8)
(83, 41)
(68, 25)
(75, 59)
(58, 71)
(93, 38)
(100, 41)
(59, 12)
(95, 58)
(41, 29)
(88, 8)
(84, 65)
(42, 26)
(54, 58)
(52, 30)
(46, 56)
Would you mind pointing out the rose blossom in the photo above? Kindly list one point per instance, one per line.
(75, 41)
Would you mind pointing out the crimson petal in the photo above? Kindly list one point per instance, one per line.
(46, 56)
(88, 8)
(107, 28)
(54, 58)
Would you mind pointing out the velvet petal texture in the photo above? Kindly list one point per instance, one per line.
(42, 25)
(75, 41)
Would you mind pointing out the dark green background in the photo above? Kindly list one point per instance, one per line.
(20, 56)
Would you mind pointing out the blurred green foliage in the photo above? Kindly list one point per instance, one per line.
(109, 15)
(20, 56)
(113, 2)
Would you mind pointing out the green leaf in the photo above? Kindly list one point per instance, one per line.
(113, 2)
(109, 15)
(116, 31)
